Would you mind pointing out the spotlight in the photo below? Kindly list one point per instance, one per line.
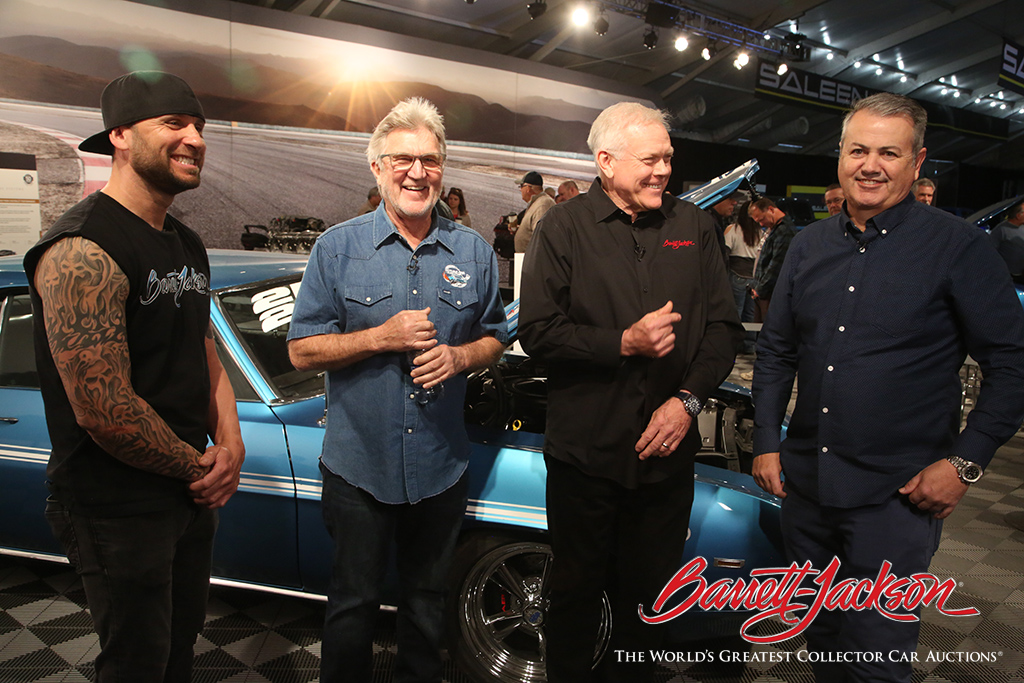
(1003, 106)
(580, 16)
(944, 91)
(681, 42)
(829, 56)
(783, 68)
(952, 79)
(743, 58)
(707, 53)
(903, 79)
(601, 24)
(878, 71)
(956, 93)
(856, 65)
(536, 9)
(650, 39)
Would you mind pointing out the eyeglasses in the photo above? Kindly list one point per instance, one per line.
(403, 162)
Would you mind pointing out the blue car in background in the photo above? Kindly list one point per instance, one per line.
(271, 535)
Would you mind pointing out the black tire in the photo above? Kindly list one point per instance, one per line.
(497, 609)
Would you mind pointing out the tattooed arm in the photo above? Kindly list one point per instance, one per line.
(84, 293)
(227, 451)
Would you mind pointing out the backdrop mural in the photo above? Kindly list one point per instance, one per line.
(290, 108)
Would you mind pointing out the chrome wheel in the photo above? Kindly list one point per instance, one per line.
(501, 610)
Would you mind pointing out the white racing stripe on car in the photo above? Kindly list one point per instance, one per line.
(308, 488)
(494, 511)
(25, 454)
(266, 483)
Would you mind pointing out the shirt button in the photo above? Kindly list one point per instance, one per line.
(412, 395)
(831, 368)
(883, 232)
(824, 449)
(415, 292)
(367, 299)
(862, 249)
(458, 303)
(842, 328)
(408, 431)
(824, 410)
(852, 288)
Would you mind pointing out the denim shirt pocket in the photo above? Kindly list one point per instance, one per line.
(368, 305)
(456, 311)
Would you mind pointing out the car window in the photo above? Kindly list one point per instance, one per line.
(261, 314)
(239, 382)
(17, 354)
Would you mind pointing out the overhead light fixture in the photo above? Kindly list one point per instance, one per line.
(651, 39)
(903, 79)
(783, 68)
(944, 91)
(601, 24)
(829, 55)
(707, 53)
(681, 42)
(878, 71)
(876, 57)
(580, 16)
(856, 65)
(952, 79)
(743, 58)
(536, 9)
(956, 93)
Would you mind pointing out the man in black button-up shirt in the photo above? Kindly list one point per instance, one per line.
(875, 310)
(625, 294)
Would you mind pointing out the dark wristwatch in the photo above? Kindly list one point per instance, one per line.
(691, 403)
(969, 472)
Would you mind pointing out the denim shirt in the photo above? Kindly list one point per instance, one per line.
(360, 274)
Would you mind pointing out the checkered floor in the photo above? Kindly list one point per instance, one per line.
(46, 633)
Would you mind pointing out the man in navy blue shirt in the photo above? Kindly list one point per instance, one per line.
(396, 306)
(876, 309)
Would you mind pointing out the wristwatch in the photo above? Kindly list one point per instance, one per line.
(969, 472)
(691, 403)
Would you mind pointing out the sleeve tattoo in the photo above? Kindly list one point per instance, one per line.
(84, 294)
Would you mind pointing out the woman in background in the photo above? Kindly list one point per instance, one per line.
(457, 202)
(743, 239)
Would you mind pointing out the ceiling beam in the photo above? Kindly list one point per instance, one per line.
(919, 29)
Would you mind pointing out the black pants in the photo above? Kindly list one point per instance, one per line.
(607, 538)
(146, 578)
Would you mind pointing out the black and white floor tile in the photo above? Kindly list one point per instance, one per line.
(46, 633)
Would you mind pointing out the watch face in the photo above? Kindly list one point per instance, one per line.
(971, 473)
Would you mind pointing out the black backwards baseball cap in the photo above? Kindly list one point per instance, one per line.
(137, 96)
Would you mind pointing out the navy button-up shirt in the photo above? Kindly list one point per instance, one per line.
(877, 325)
(360, 273)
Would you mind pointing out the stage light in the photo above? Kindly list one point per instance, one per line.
(601, 24)
(536, 9)
(650, 39)
(743, 58)
(856, 65)
(681, 43)
(707, 53)
(580, 16)
(783, 68)
(829, 56)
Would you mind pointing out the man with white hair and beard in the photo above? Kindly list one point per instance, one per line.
(397, 306)
(625, 293)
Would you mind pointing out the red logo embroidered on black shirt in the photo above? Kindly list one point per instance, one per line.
(675, 244)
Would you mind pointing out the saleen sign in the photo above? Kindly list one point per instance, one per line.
(1011, 71)
(803, 87)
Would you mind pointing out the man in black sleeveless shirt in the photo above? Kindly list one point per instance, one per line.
(132, 386)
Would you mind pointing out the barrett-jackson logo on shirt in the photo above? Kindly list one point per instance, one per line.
(675, 244)
(176, 283)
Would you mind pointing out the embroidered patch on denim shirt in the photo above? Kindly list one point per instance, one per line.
(455, 277)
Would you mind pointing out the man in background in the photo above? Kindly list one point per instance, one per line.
(371, 203)
(133, 386)
(531, 186)
(923, 190)
(781, 232)
(567, 191)
(834, 198)
(381, 310)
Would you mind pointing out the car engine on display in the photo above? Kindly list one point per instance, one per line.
(271, 535)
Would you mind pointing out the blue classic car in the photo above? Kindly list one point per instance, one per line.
(271, 535)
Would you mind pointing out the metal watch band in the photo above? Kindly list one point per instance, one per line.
(969, 472)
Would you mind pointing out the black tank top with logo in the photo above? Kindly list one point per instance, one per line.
(167, 316)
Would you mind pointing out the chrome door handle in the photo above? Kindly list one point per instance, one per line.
(8, 420)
